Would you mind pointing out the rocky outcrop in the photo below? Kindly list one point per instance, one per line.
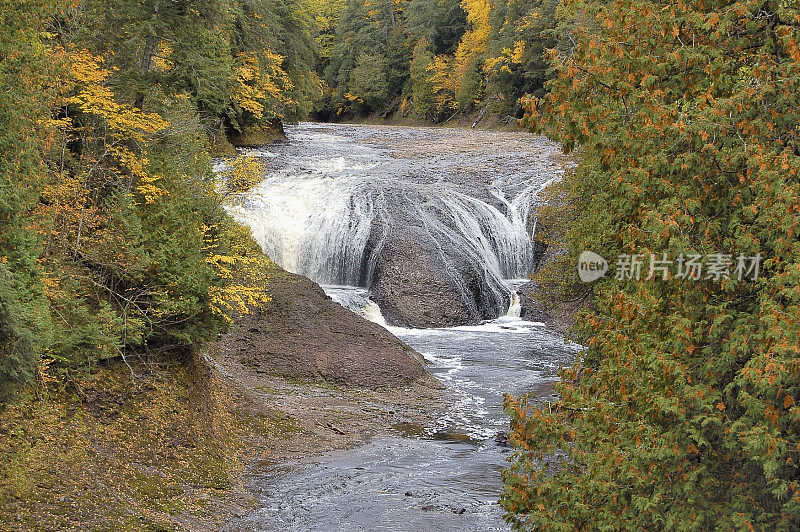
(416, 286)
(560, 314)
(257, 136)
(532, 306)
(413, 292)
(304, 335)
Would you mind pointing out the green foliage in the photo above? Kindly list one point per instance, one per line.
(422, 90)
(24, 97)
(483, 50)
(469, 91)
(522, 32)
(194, 47)
(440, 22)
(682, 412)
(114, 240)
(398, 56)
(368, 85)
(325, 14)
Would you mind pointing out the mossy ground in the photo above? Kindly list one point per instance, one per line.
(163, 451)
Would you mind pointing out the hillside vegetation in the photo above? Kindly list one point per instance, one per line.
(682, 413)
(430, 59)
(118, 262)
(114, 239)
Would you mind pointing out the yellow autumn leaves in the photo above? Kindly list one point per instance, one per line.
(93, 97)
(122, 134)
(504, 61)
(244, 269)
(450, 75)
(261, 84)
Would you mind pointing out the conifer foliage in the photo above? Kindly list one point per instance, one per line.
(24, 105)
(683, 412)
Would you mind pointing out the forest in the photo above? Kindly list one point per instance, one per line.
(431, 59)
(681, 119)
(116, 237)
(120, 109)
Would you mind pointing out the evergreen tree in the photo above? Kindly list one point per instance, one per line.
(682, 413)
(522, 32)
(368, 83)
(25, 93)
(421, 84)
(111, 220)
(440, 22)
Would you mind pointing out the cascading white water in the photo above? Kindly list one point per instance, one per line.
(319, 226)
(357, 300)
(515, 308)
(326, 211)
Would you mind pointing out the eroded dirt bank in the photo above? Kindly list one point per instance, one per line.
(305, 335)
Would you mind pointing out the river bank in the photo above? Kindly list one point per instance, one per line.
(241, 434)
(481, 119)
(175, 447)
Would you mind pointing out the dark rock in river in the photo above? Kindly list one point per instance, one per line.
(536, 305)
(304, 335)
(416, 283)
(412, 289)
(501, 439)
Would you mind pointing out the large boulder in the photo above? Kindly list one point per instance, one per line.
(302, 334)
(418, 284)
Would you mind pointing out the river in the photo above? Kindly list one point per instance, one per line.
(320, 201)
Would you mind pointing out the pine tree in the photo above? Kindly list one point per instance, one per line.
(25, 93)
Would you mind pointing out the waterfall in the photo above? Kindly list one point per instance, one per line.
(317, 227)
(515, 308)
(328, 204)
(372, 312)
(357, 300)
(320, 227)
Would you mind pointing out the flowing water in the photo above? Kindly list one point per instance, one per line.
(326, 191)
(333, 194)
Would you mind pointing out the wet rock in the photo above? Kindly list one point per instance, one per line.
(536, 305)
(540, 254)
(417, 286)
(413, 292)
(532, 307)
(501, 439)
